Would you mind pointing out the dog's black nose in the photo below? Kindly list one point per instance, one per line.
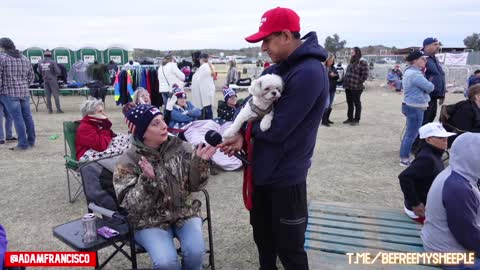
(274, 93)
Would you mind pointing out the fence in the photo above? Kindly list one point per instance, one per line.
(455, 76)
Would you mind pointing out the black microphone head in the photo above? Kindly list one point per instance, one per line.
(213, 138)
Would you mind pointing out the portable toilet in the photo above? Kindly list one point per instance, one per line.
(117, 54)
(64, 56)
(34, 54)
(89, 54)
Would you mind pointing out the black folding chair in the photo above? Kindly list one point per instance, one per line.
(97, 181)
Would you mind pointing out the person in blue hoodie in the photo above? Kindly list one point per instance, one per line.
(415, 102)
(436, 75)
(282, 154)
(452, 221)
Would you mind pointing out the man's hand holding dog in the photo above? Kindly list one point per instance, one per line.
(232, 145)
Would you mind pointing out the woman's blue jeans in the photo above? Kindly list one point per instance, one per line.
(161, 248)
(414, 122)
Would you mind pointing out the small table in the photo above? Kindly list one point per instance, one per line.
(71, 232)
(40, 92)
(37, 93)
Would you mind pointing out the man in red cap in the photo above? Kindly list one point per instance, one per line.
(282, 154)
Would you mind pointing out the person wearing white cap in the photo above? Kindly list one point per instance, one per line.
(416, 180)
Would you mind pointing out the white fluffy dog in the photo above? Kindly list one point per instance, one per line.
(265, 90)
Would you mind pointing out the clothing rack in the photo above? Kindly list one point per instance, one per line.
(141, 67)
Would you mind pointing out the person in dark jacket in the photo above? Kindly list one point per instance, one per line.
(416, 180)
(195, 65)
(436, 75)
(332, 78)
(466, 116)
(227, 110)
(112, 69)
(355, 76)
(50, 72)
(282, 154)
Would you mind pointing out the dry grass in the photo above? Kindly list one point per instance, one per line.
(351, 164)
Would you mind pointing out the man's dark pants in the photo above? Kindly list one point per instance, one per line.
(428, 117)
(279, 219)
(52, 88)
(354, 104)
(431, 111)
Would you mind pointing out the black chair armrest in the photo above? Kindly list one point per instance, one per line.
(104, 211)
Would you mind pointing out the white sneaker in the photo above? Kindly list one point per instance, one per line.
(405, 163)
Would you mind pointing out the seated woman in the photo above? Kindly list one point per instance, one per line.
(466, 115)
(394, 78)
(95, 138)
(226, 110)
(183, 111)
(153, 181)
(195, 130)
(141, 96)
(416, 180)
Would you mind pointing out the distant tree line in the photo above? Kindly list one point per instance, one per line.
(248, 52)
(333, 44)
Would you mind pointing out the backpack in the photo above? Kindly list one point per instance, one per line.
(446, 113)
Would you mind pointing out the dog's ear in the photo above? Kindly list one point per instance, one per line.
(255, 86)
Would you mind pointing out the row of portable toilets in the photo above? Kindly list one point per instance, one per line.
(69, 57)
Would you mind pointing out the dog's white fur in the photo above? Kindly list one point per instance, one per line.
(265, 90)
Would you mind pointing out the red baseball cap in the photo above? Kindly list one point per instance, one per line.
(276, 20)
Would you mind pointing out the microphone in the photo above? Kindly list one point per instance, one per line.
(214, 138)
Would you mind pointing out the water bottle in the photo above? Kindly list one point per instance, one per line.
(89, 228)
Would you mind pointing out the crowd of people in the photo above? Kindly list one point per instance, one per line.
(156, 172)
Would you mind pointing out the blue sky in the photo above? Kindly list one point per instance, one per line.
(170, 25)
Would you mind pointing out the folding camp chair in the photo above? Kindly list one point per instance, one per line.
(70, 156)
(97, 180)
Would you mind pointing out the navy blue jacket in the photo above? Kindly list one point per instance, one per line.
(436, 75)
(282, 154)
(416, 180)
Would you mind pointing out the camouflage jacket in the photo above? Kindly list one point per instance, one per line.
(165, 200)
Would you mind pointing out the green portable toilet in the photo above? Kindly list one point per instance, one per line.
(89, 54)
(117, 54)
(64, 56)
(34, 54)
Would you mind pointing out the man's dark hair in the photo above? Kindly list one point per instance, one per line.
(357, 56)
(7, 44)
(476, 71)
(296, 35)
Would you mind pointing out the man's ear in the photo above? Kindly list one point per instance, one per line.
(287, 35)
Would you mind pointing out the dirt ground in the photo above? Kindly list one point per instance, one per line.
(351, 164)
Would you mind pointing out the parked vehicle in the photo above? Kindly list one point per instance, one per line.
(389, 60)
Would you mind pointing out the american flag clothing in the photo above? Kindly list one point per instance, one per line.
(16, 74)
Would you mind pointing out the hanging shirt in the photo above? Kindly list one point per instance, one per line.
(78, 72)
